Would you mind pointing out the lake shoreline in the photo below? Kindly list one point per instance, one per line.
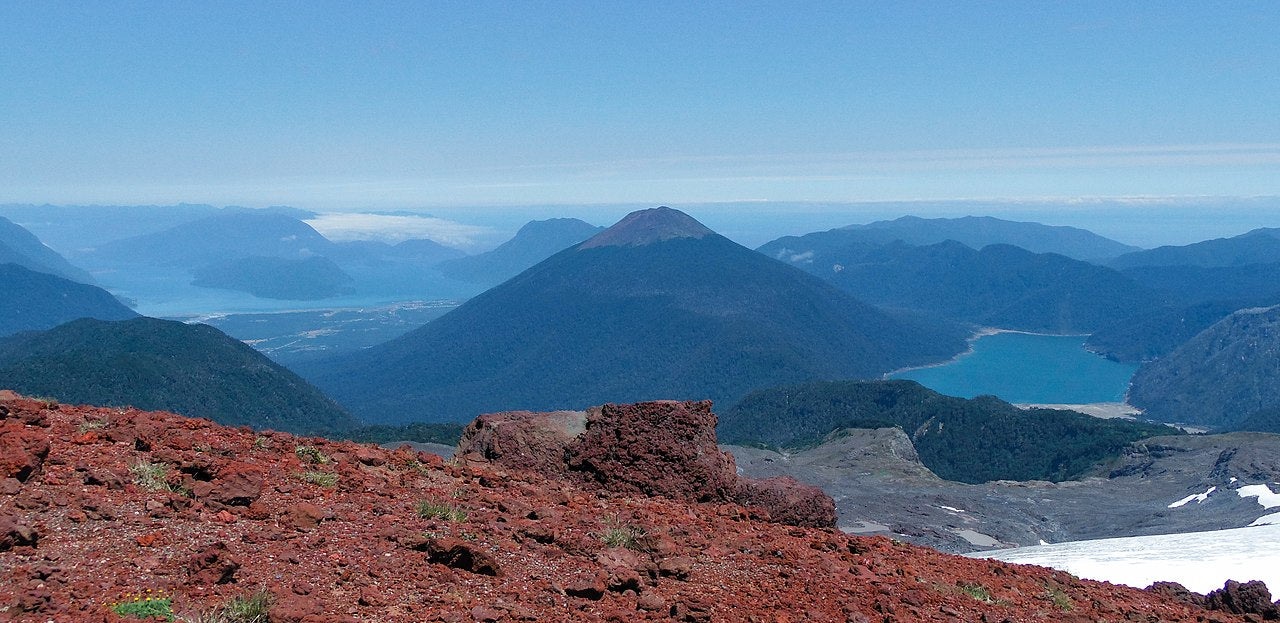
(978, 334)
(1026, 367)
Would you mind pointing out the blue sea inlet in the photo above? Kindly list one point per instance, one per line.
(1025, 368)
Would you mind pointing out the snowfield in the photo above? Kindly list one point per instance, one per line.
(1201, 561)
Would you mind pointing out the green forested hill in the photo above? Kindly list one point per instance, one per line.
(194, 370)
(974, 440)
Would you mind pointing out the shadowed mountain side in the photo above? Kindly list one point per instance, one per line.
(19, 246)
(972, 231)
(1155, 332)
(277, 278)
(1001, 285)
(1217, 378)
(681, 318)
(536, 241)
(194, 370)
(1259, 246)
(227, 235)
(34, 301)
(1190, 285)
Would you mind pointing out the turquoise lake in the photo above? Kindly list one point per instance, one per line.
(1023, 368)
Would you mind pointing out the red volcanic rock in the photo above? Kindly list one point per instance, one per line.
(665, 448)
(1243, 598)
(523, 548)
(237, 484)
(459, 554)
(212, 565)
(303, 516)
(789, 501)
(16, 532)
(22, 452)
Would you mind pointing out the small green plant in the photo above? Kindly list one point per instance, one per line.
(91, 425)
(144, 605)
(319, 478)
(433, 509)
(620, 534)
(252, 608)
(151, 476)
(1059, 598)
(978, 592)
(259, 442)
(311, 455)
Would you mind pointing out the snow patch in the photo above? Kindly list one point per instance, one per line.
(1198, 497)
(1267, 520)
(1265, 496)
(1201, 561)
(950, 508)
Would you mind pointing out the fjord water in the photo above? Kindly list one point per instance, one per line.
(1028, 368)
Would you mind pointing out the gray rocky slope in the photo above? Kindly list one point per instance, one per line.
(880, 487)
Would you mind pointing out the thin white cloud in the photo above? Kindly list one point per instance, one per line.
(344, 226)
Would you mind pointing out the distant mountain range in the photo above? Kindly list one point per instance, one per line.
(226, 235)
(277, 278)
(657, 306)
(536, 241)
(1260, 246)
(194, 370)
(33, 301)
(19, 246)
(1218, 378)
(972, 231)
(973, 441)
(1000, 285)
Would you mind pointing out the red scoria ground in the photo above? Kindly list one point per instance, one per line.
(77, 531)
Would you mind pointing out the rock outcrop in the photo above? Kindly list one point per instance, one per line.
(125, 502)
(665, 448)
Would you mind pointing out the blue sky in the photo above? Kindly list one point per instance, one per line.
(419, 104)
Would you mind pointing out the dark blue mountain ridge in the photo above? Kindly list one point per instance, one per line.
(35, 301)
(655, 307)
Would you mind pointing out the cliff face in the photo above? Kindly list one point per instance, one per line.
(664, 448)
(96, 504)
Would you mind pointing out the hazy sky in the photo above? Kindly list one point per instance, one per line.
(393, 105)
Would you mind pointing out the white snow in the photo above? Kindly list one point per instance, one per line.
(1201, 561)
(950, 508)
(1267, 520)
(1265, 497)
(1198, 497)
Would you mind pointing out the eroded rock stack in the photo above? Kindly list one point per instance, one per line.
(665, 448)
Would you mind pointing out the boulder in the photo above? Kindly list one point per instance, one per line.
(662, 448)
(1243, 598)
(237, 484)
(22, 451)
(789, 501)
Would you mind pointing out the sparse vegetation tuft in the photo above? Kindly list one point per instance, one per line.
(311, 455)
(252, 608)
(978, 592)
(151, 476)
(318, 478)
(620, 534)
(1059, 598)
(91, 425)
(434, 509)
